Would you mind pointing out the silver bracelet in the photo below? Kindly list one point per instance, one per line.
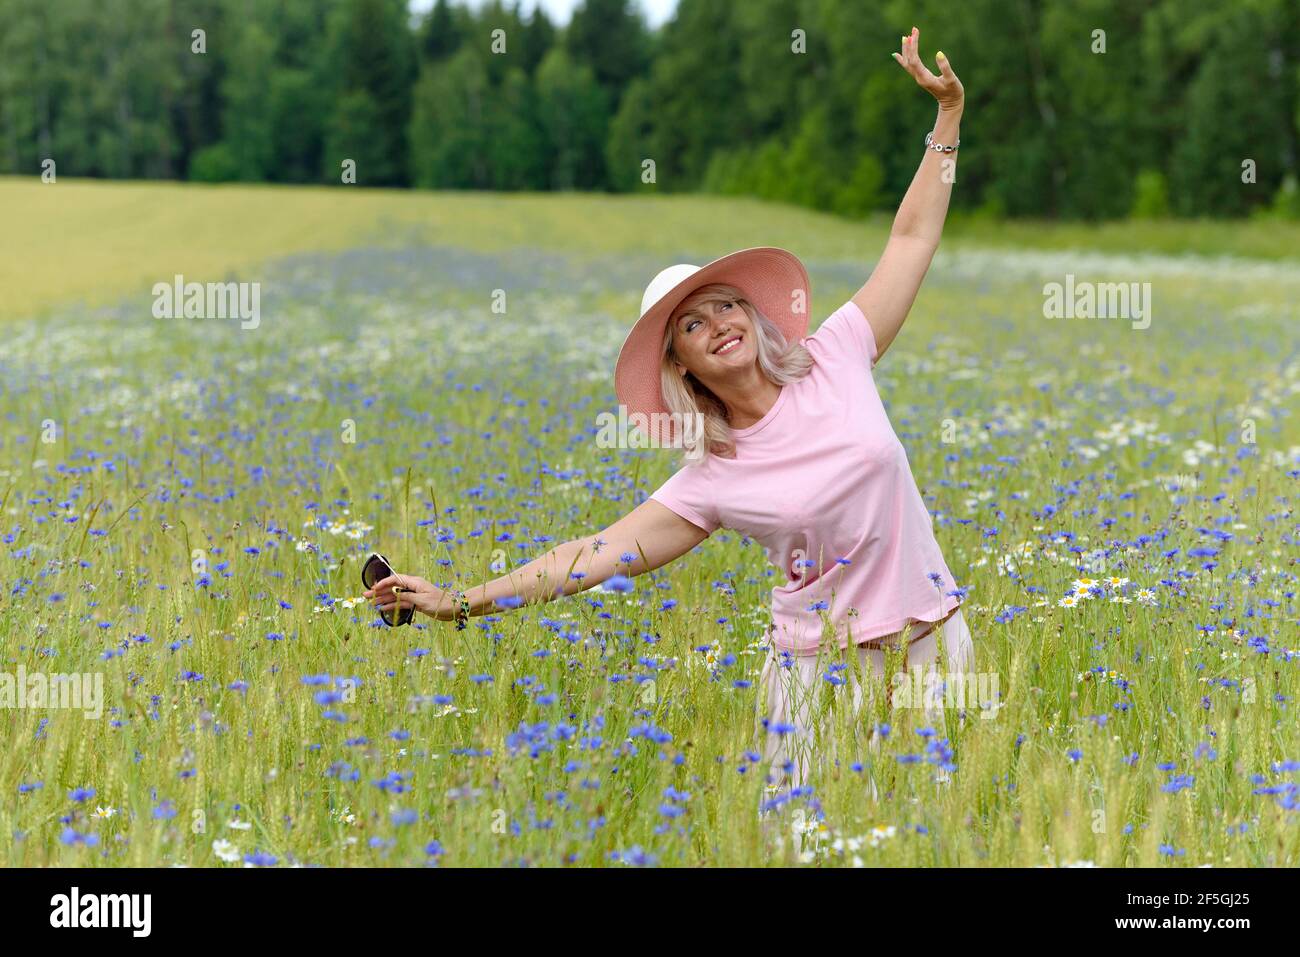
(939, 147)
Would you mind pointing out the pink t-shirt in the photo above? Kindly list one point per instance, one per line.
(822, 482)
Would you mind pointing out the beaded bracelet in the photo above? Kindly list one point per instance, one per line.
(939, 147)
(462, 613)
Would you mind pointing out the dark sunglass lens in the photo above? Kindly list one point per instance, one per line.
(377, 571)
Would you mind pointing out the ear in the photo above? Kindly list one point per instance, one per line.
(681, 369)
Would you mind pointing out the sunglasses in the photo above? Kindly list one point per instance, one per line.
(375, 570)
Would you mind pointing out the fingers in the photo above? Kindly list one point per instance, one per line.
(944, 67)
(395, 602)
(391, 583)
(396, 595)
(399, 592)
(910, 58)
(904, 56)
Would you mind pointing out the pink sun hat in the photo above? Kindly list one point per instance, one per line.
(773, 279)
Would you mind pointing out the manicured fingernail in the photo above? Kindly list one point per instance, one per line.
(940, 55)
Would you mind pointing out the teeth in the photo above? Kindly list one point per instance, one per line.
(729, 346)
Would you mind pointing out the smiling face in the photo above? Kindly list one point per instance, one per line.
(713, 340)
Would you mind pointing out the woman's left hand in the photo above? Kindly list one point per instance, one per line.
(406, 591)
(945, 88)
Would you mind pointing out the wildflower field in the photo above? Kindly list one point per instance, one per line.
(186, 504)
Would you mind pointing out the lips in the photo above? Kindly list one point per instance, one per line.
(728, 345)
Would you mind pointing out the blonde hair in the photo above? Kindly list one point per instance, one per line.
(781, 361)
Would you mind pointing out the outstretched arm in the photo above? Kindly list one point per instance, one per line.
(649, 536)
(887, 297)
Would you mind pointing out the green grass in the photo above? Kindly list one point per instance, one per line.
(1269, 239)
(160, 539)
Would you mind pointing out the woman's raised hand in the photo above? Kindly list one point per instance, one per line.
(945, 88)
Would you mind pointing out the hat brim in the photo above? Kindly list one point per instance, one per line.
(773, 279)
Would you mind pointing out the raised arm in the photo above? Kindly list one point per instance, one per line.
(651, 534)
(887, 297)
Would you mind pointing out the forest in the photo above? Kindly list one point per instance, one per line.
(1076, 109)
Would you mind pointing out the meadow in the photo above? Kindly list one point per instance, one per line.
(186, 504)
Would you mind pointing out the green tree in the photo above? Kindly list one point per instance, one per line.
(1235, 112)
(450, 123)
(296, 104)
(573, 114)
(439, 34)
(631, 139)
(611, 37)
(247, 119)
(372, 56)
(696, 92)
(482, 37)
(1151, 199)
(539, 36)
(516, 153)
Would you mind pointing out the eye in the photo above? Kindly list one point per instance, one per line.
(726, 305)
(690, 324)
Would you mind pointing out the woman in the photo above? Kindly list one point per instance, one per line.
(791, 447)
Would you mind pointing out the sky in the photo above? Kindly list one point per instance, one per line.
(656, 12)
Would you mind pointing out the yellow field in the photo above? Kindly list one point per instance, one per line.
(90, 241)
(93, 241)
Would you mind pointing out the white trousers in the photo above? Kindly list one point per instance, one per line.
(791, 689)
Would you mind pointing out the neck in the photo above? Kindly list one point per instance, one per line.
(747, 398)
